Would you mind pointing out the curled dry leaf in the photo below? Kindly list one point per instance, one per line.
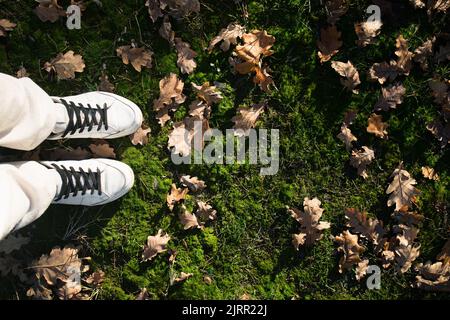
(335, 10)
(422, 53)
(155, 244)
(367, 32)
(186, 56)
(349, 247)
(199, 110)
(402, 191)
(246, 119)
(96, 278)
(182, 135)
(360, 159)
(361, 269)
(329, 43)
(65, 65)
(437, 6)
(101, 149)
(5, 26)
(166, 31)
(12, 243)
(371, 229)
(182, 277)
(349, 72)
(194, 184)
(49, 10)
(170, 97)
(347, 137)
(205, 212)
(154, 8)
(405, 256)
(176, 195)
(430, 173)
(207, 93)
(376, 126)
(392, 96)
(188, 220)
(138, 57)
(311, 229)
(408, 218)
(383, 72)
(433, 277)
(228, 36)
(140, 136)
(404, 56)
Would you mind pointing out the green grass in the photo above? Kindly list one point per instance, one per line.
(248, 249)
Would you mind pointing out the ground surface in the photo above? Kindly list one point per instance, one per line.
(248, 249)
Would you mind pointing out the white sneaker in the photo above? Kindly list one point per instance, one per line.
(90, 182)
(99, 115)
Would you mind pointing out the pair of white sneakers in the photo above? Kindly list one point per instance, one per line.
(98, 115)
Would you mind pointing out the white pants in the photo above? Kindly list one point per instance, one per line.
(26, 119)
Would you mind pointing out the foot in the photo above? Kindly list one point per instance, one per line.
(90, 182)
(100, 115)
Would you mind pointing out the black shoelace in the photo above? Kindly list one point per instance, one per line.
(74, 181)
(90, 117)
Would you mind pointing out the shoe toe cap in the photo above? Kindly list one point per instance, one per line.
(118, 179)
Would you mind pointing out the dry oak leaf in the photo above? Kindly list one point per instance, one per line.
(335, 10)
(256, 45)
(360, 159)
(404, 56)
(371, 229)
(140, 136)
(49, 10)
(347, 137)
(155, 244)
(154, 8)
(176, 195)
(181, 8)
(180, 139)
(329, 43)
(22, 73)
(6, 25)
(383, 72)
(138, 57)
(349, 72)
(12, 243)
(182, 277)
(437, 6)
(166, 31)
(105, 85)
(199, 109)
(311, 229)
(367, 31)
(186, 56)
(408, 218)
(207, 93)
(101, 149)
(376, 126)
(263, 78)
(188, 220)
(392, 96)
(170, 97)
(402, 191)
(246, 119)
(430, 173)
(361, 269)
(433, 277)
(405, 256)
(205, 211)
(194, 184)
(441, 130)
(228, 36)
(422, 53)
(351, 250)
(65, 65)
(96, 278)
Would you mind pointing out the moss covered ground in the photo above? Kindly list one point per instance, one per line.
(248, 249)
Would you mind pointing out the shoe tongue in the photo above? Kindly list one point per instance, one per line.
(62, 118)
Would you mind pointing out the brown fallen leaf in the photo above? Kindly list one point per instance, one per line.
(96, 278)
(246, 118)
(228, 36)
(311, 229)
(186, 56)
(367, 32)
(444, 255)
(402, 191)
(441, 130)
(434, 6)
(418, 4)
(349, 247)
(176, 195)
(199, 109)
(430, 173)
(405, 256)
(369, 228)
(349, 72)
(138, 57)
(383, 72)
(335, 10)
(182, 277)
(188, 220)
(155, 244)
(257, 44)
(349, 117)
(360, 159)
(5, 26)
(166, 32)
(392, 96)
(404, 56)
(143, 294)
(329, 43)
(424, 52)
(376, 126)
(140, 136)
(194, 184)
(408, 218)
(49, 10)
(433, 277)
(101, 149)
(170, 97)
(207, 93)
(180, 138)
(65, 65)
(361, 269)
(347, 137)
(22, 73)
(154, 9)
(205, 212)
(104, 84)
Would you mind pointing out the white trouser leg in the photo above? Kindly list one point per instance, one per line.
(26, 114)
(26, 191)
